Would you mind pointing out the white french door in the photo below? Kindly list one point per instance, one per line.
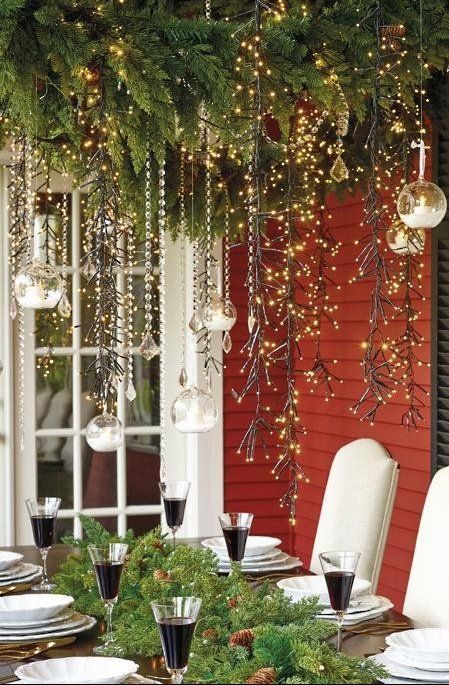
(119, 489)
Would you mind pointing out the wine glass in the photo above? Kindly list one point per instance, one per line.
(176, 619)
(108, 564)
(339, 571)
(174, 493)
(235, 527)
(43, 512)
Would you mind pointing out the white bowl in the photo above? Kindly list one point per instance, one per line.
(32, 607)
(77, 669)
(256, 545)
(8, 559)
(425, 644)
(300, 587)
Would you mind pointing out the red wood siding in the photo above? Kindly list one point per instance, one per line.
(331, 424)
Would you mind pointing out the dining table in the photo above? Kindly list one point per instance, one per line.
(353, 644)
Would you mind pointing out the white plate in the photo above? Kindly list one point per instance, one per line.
(262, 564)
(425, 644)
(87, 625)
(406, 659)
(256, 558)
(286, 565)
(8, 559)
(398, 671)
(72, 621)
(256, 545)
(24, 580)
(353, 619)
(358, 605)
(32, 607)
(315, 586)
(63, 616)
(24, 571)
(77, 669)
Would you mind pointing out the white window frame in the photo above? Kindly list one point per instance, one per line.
(198, 459)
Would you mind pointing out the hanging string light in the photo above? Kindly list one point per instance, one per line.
(162, 227)
(64, 306)
(148, 347)
(130, 391)
(183, 380)
(421, 204)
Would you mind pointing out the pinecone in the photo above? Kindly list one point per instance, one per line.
(242, 638)
(233, 601)
(263, 675)
(210, 634)
(161, 575)
(391, 36)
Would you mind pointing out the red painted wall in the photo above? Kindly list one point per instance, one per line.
(331, 425)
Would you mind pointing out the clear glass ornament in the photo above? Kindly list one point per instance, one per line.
(182, 380)
(148, 347)
(64, 306)
(195, 323)
(130, 393)
(404, 240)
(339, 170)
(227, 342)
(88, 269)
(104, 433)
(220, 315)
(251, 321)
(38, 286)
(194, 411)
(421, 204)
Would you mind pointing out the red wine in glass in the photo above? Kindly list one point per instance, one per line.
(43, 530)
(339, 585)
(235, 538)
(108, 578)
(176, 636)
(174, 511)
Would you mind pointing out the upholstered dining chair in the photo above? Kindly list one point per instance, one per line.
(427, 597)
(357, 506)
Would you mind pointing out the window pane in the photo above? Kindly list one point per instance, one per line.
(54, 403)
(50, 326)
(142, 469)
(63, 527)
(54, 476)
(143, 524)
(145, 409)
(100, 479)
(109, 522)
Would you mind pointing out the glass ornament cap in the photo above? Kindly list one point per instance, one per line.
(421, 204)
(194, 411)
(220, 314)
(104, 433)
(404, 240)
(38, 286)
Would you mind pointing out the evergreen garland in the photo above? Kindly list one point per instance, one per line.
(158, 60)
(241, 630)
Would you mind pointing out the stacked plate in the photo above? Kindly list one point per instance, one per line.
(13, 571)
(420, 656)
(77, 669)
(262, 555)
(363, 606)
(33, 617)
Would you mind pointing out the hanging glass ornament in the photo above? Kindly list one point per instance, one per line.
(219, 314)
(404, 240)
(64, 306)
(194, 411)
(182, 380)
(148, 348)
(227, 342)
(104, 433)
(88, 269)
(38, 286)
(130, 393)
(421, 204)
(195, 323)
(251, 320)
(339, 170)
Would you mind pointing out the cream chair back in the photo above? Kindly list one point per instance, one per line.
(427, 598)
(357, 506)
